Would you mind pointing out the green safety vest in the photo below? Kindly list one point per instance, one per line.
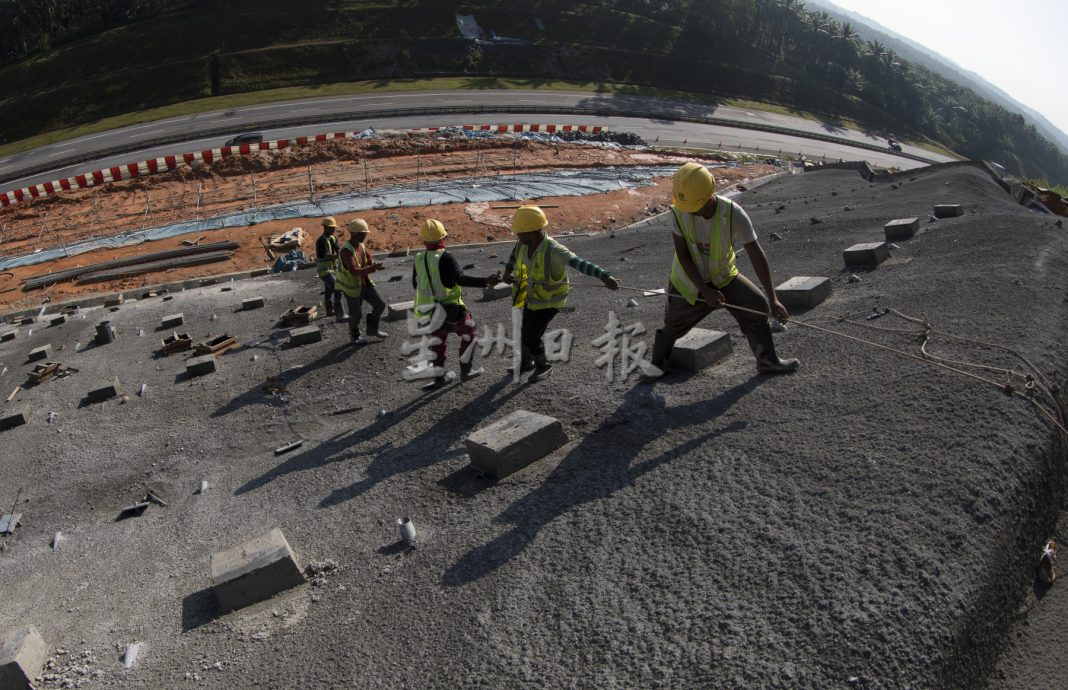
(428, 287)
(543, 290)
(326, 266)
(720, 256)
(347, 281)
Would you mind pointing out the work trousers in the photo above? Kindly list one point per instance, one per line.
(463, 325)
(535, 323)
(680, 316)
(333, 295)
(355, 304)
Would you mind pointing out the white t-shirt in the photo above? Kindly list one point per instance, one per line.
(742, 232)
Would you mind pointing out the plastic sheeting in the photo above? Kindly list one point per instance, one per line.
(479, 189)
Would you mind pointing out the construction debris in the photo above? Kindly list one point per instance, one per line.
(1047, 571)
(177, 343)
(215, 346)
(407, 529)
(287, 241)
(133, 510)
(288, 447)
(298, 316)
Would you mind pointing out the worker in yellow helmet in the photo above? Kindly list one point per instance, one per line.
(437, 279)
(540, 264)
(355, 266)
(705, 229)
(326, 255)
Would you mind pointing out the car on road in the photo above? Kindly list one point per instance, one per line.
(247, 138)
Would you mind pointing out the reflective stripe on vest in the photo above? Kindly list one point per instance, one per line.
(324, 266)
(347, 281)
(720, 257)
(544, 290)
(428, 287)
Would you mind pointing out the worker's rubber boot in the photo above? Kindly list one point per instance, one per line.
(767, 361)
(661, 355)
(372, 328)
(542, 369)
(526, 362)
(469, 370)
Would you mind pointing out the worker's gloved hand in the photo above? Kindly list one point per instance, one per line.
(377, 267)
(779, 311)
(712, 296)
(612, 283)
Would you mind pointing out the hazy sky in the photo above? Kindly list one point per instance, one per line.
(1018, 46)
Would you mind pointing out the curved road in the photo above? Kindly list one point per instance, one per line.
(357, 112)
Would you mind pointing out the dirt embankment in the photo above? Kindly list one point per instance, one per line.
(329, 168)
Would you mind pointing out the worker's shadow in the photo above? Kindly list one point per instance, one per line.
(601, 464)
(428, 447)
(340, 447)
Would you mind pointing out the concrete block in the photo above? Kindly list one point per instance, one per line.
(199, 366)
(901, 229)
(498, 291)
(948, 210)
(867, 254)
(699, 349)
(58, 320)
(512, 443)
(172, 321)
(257, 272)
(22, 658)
(305, 335)
(10, 420)
(254, 571)
(399, 311)
(252, 303)
(105, 392)
(43, 352)
(8, 335)
(803, 292)
(115, 301)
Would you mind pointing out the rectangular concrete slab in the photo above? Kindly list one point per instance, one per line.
(22, 657)
(901, 229)
(8, 335)
(199, 366)
(510, 444)
(257, 272)
(58, 320)
(399, 311)
(252, 303)
(803, 292)
(305, 335)
(866, 254)
(172, 321)
(43, 352)
(254, 571)
(948, 210)
(114, 301)
(105, 392)
(700, 349)
(14, 418)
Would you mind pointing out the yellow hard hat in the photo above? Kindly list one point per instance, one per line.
(691, 187)
(329, 222)
(357, 226)
(432, 230)
(528, 219)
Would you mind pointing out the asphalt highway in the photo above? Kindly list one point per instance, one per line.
(442, 108)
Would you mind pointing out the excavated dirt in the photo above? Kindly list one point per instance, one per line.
(241, 182)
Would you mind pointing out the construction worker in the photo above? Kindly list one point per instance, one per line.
(705, 229)
(437, 279)
(354, 271)
(326, 253)
(540, 284)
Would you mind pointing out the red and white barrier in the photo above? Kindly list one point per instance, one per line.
(208, 156)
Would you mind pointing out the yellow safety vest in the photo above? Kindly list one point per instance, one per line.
(428, 287)
(720, 256)
(543, 290)
(347, 281)
(326, 266)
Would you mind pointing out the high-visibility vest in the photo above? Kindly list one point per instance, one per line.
(326, 266)
(519, 278)
(428, 287)
(543, 289)
(347, 281)
(720, 255)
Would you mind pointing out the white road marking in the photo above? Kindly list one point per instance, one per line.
(58, 153)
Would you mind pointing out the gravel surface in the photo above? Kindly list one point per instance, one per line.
(871, 521)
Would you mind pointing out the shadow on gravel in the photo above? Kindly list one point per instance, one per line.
(199, 608)
(599, 466)
(256, 394)
(428, 447)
